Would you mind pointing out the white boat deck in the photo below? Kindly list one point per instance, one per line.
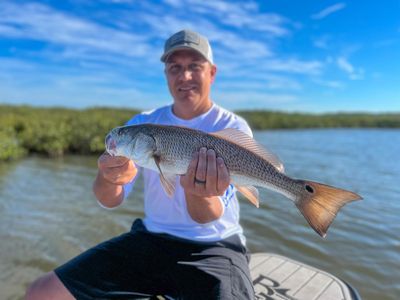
(278, 277)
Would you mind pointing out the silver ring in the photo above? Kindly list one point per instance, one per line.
(199, 181)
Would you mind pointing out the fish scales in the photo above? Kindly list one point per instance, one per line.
(182, 142)
(246, 167)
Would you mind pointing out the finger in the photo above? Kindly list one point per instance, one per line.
(122, 179)
(201, 171)
(106, 160)
(119, 160)
(118, 178)
(111, 172)
(126, 172)
(126, 167)
(211, 179)
(223, 179)
(188, 179)
(102, 159)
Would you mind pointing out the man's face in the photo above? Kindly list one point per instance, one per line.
(189, 76)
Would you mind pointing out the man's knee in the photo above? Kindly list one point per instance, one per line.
(48, 287)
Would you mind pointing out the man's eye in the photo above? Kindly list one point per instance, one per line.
(195, 67)
(174, 69)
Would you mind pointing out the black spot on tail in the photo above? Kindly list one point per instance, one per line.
(309, 189)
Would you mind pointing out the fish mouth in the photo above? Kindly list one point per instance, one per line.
(111, 145)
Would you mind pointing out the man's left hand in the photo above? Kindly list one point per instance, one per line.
(206, 176)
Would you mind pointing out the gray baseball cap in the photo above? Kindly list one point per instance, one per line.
(187, 39)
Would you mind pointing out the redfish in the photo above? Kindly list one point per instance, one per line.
(168, 150)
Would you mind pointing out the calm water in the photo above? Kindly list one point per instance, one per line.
(48, 214)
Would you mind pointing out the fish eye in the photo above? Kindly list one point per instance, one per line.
(121, 131)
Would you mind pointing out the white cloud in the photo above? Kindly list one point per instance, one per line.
(277, 72)
(260, 82)
(329, 10)
(240, 15)
(122, 1)
(16, 65)
(42, 23)
(63, 94)
(322, 42)
(275, 82)
(329, 83)
(294, 66)
(110, 56)
(68, 86)
(225, 42)
(346, 66)
(359, 75)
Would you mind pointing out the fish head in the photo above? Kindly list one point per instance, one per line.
(117, 141)
(130, 141)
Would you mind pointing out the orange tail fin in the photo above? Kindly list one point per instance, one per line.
(320, 203)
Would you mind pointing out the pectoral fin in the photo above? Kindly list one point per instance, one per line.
(167, 179)
(168, 183)
(250, 192)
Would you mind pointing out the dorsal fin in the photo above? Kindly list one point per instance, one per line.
(240, 138)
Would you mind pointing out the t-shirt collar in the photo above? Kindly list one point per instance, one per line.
(191, 122)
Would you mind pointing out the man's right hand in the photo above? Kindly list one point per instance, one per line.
(114, 172)
(117, 170)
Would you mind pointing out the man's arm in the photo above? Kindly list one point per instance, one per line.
(113, 173)
(207, 178)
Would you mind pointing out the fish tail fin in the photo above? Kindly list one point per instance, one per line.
(320, 204)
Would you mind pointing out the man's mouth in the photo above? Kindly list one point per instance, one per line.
(186, 88)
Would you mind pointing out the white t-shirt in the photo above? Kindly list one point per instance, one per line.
(166, 215)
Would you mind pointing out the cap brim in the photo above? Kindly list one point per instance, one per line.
(165, 56)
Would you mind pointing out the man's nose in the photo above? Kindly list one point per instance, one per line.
(186, 74)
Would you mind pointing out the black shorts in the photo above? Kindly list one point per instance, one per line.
(140, 263)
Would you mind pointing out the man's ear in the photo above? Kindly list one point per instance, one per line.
(213, 73)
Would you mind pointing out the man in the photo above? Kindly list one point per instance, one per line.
(187, 247)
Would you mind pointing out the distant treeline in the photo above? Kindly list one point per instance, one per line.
(56, 131)
(259, 120)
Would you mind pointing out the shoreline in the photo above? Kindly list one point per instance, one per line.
(56, 131)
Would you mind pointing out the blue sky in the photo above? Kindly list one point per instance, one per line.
(314, 56)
